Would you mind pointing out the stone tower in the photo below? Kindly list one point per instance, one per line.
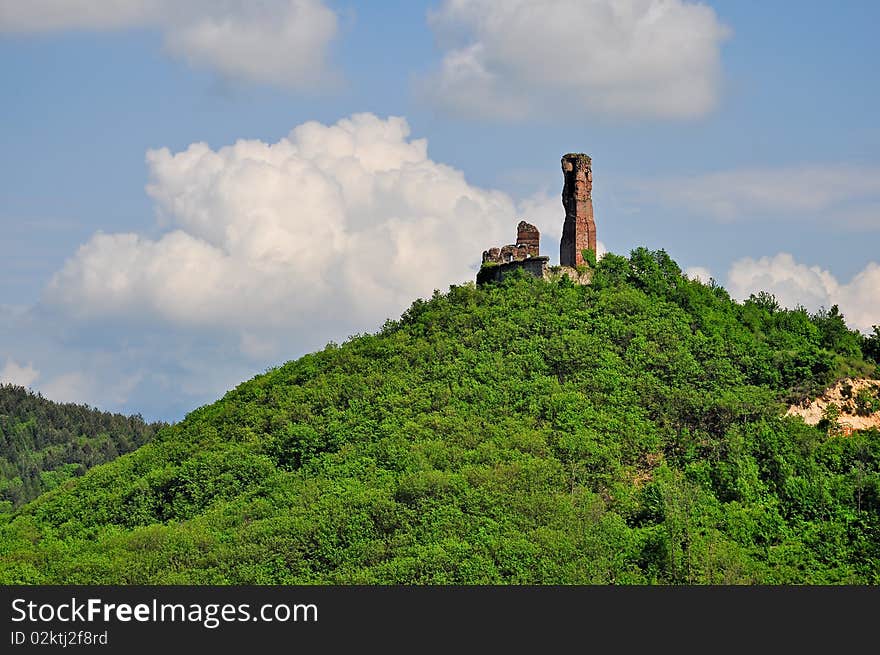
(528, 235)
(579, 229)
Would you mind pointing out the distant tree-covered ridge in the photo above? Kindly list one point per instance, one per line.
(628, 431)
(44, 443)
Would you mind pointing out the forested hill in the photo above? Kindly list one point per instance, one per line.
(43, 443)
(629, 431)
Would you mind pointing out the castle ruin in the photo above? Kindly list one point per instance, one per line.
(578, 231)
(527, 245)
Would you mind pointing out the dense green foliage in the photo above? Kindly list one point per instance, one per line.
(871, 345)
(43, 443)
(629, 431)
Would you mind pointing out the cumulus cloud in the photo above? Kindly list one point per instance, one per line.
(68, 388)
(161, 371)
(796, 284)
(282, 42)
(847, 194)
(519, 58)
(331, 228)
(82, 387)
(22, 375)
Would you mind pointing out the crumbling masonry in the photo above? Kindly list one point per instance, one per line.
(527, 245)
(578, 230)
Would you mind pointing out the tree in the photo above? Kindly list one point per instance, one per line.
(765, 300)
(830, 418)
(871, 345)
(835, 335)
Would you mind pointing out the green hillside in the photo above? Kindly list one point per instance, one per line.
(44, 443)
(629, 431)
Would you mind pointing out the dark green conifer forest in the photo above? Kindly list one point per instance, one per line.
(627, 432)
(43, 443)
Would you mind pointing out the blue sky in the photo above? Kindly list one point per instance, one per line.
(740, 136)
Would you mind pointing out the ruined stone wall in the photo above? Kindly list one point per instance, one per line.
(579, 229)
(527, 245)
(509, 253)
(536, 266)
(528, 235)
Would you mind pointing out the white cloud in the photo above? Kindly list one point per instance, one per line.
(331, 228)
(518, 58)
(282, 42)
(700, 273)
(796, 284)
(22, 375)
(68, 388)
(286, 46)
(85, 387)
(842, 194)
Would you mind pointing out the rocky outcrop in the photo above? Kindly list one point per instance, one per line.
(855, 401)
(579, 229)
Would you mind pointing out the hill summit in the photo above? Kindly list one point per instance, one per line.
(628, 431)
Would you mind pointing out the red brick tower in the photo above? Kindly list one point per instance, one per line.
(579, 229)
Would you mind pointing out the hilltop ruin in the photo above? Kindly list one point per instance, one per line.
(578, 233)
(527, 245)
(579, 229)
